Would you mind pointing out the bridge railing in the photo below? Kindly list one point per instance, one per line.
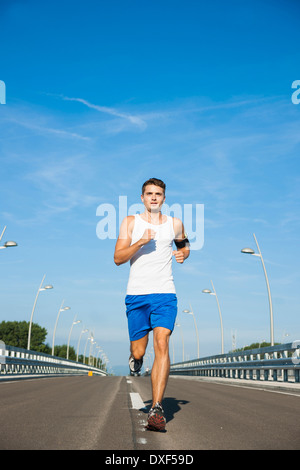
(22, 362)
(277, 363)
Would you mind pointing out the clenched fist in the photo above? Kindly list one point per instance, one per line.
(148, 235)
(179, 256)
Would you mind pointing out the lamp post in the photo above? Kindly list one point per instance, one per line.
(82, 332)
(40, 289)
(92, 354)
(8, 244)
(88, 338)
(177, 324)
(208, 291)
(98, 358)
(91, 346)
(75, 322)
(148, 361)
(252, 252)
(190, 312)
(60, 310)
(172, 344)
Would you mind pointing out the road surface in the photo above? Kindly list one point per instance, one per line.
(109, 413)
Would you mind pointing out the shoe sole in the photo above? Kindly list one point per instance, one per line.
(156, 423)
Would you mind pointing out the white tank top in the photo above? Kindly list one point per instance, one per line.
(151, 266)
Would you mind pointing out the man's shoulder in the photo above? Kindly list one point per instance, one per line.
(127, 226)
(175, 219)
(177, 222)
(178, 227)
(128, 220)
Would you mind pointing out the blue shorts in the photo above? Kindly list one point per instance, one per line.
(145, 312)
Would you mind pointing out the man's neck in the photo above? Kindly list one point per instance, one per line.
(153, 217)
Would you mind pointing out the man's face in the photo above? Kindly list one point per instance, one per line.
(153, 197)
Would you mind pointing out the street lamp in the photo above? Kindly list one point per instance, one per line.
(88, 338)
(178, 324)
(252, 252)
(40, 289)
(91, 347)
(82, 332)
(208, 291)
(75, 322)
(60, 310)
(6, 244)
(190, 312)
(98, 358)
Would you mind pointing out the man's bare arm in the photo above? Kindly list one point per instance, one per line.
(124, 251)
(181, 254)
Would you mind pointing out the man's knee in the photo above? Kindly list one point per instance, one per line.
(138, 348)
(137, 352)
(161, 341)
(161, 347)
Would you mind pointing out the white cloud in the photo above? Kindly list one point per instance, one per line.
(136, 120)
(46, 130)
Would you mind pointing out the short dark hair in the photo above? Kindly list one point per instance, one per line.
(156, 182)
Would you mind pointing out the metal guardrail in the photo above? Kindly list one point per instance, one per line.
(22, 362)
(281, 362)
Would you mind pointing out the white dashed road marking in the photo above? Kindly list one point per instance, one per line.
(137, 402)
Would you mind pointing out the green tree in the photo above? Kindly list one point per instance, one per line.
(263, 344)
(15, 333)
(61, 351)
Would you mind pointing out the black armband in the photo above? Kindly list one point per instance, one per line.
(182, 243)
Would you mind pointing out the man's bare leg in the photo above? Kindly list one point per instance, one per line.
(161, 364)
(138, 347)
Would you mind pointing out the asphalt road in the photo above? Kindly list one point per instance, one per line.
(106, 413)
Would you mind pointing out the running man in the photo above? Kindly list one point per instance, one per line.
(151, 303)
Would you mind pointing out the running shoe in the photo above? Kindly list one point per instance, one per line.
(135, 365)
(156, 418)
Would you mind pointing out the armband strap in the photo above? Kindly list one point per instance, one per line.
(182, 243)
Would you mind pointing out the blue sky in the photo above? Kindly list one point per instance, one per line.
(100, 96)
